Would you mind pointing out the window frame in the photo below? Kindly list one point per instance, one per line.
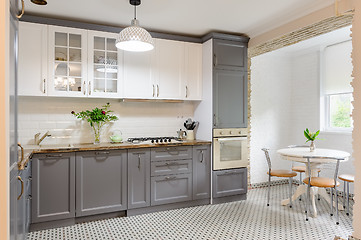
(327, 114)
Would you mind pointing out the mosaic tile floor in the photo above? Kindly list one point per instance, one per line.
(250, 219)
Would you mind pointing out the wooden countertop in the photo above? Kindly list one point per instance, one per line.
(30, 150)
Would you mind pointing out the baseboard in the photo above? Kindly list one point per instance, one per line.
(230, 198)
(151, 209)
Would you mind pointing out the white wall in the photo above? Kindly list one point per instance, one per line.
(270, 116)
(136, 119)
(299, 100)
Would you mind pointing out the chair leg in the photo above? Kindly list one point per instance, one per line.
(269, 189)
(307, 201)
(331, 191)
(337, 220)
(290, 191)
(300, 184)
(344, 194)
(348, 199)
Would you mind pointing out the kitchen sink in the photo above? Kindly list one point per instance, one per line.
(56, 146)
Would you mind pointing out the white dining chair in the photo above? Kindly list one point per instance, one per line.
(278, 173)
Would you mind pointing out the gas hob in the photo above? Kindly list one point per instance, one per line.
(154, 140)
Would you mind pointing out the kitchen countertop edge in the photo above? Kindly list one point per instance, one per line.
(30, 150)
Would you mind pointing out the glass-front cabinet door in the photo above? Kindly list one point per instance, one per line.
(104, 65)
(67, 62)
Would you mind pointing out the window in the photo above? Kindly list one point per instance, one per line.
(336, 90)
(339, 109)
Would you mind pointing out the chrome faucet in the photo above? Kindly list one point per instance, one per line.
(39, 139)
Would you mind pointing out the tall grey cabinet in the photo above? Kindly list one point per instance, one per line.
(101, 182)
(230, 100)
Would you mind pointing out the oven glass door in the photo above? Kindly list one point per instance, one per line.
(230, 152)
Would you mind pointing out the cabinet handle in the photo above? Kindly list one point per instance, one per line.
(231, 172)
(214, 120)
(54, 156)
(22, 10)
(90, 88)
(44, 85)
(186, 91)
(172, 164)
(22, 187)
(84, 85)
(153, 91)
(168, 178)
(101, 153)
(139, 161)
(202, 159)
(215, 60)
(157, 90)
(173, 151)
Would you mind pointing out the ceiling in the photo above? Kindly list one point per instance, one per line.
(185, 17)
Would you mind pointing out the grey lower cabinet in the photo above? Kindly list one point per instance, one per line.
(101, 182)
(138, 178)
(201, 172)
(53, 187)
(171, 189)
(229, 182)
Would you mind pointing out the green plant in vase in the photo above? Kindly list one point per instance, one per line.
(311, 136)
(97, 118)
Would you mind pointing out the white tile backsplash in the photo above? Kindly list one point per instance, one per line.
(136, 119)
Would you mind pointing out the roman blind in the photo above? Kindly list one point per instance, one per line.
(338, 68)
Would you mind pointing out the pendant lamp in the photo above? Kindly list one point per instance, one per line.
(134, 38)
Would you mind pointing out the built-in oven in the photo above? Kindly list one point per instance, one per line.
(230, 148)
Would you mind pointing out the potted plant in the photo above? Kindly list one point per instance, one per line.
(97, 118)
(311, 136)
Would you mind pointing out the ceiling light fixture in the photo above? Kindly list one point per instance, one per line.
(134, 38)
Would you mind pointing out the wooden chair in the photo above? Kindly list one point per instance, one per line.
(322, 182)
(346, 178)
(278, 173)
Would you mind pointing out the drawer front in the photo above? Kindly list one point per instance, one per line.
(229, 182)
(171, 153)
(171, 167)
(171, 189)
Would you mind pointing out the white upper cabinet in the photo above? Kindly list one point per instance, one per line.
(105, 65)
(139, 81)
(193, 72)
(70, 62)
(170, 69)
(32, 69)
(67, 72)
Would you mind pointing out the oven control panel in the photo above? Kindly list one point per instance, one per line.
(230, 132)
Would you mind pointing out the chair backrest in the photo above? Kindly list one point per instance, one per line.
(266, 152)
(336, 168)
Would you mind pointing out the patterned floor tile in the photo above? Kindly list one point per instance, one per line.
(250, 219)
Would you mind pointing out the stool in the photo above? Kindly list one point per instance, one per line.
(346, 178)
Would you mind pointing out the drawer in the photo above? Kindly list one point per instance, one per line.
(171, 167)
(171, 189)
(229, 182)
(171, 153)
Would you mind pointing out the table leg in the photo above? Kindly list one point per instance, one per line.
(301, 189)
(314, 192)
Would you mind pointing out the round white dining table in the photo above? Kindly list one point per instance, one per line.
(318, 157)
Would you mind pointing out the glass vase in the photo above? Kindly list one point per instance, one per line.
(97, 134)
(312, 146)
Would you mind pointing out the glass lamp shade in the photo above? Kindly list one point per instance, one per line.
(134, 39)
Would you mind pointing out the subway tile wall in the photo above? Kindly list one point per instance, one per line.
(136, 119)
